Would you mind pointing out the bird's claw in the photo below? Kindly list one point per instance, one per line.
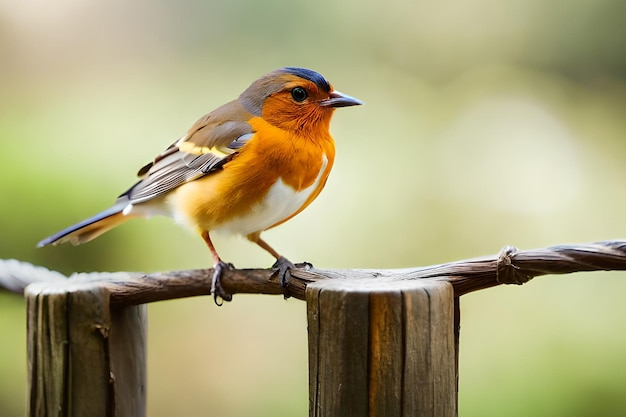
(283, 267)
(219, 293)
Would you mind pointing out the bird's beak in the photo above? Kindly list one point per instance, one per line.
(338, 99)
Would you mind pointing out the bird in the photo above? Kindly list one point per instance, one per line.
(246, 167)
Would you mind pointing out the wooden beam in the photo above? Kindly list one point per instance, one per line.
(84, 358)
(381, 348)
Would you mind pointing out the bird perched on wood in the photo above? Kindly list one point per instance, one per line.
(246, 167)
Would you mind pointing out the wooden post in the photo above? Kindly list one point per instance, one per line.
(381, 348)
(85, 358)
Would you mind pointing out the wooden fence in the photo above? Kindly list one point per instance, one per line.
(381, 342)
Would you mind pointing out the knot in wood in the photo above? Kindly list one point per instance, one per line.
(506, 271)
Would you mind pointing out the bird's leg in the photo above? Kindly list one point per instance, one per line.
(282, 264)
(218, 268)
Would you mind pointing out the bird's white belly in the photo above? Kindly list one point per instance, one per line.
(281, 202)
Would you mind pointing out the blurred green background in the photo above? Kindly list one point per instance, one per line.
(486, 123)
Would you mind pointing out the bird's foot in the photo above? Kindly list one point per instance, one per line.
(283, 266)
(219, 293)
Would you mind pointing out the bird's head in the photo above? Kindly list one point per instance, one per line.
(295, 99)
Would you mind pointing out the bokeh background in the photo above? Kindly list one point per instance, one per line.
(487, 123)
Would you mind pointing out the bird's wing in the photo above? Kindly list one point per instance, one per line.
(210, 143)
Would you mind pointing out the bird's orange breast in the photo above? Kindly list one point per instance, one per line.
(274, 177)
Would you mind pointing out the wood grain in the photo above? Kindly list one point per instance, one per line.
(84, 358)
(381, 350)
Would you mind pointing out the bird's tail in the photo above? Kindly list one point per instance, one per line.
(90, 228)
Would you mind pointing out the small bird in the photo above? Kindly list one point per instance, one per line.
(246, 167)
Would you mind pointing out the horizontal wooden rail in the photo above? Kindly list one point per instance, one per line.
(510, 266)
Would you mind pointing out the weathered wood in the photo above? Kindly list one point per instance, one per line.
(510, 266)
(457, 338)
(48, 352)
(381, 349)
(83, 358)
(332, 315)
(127, 350)
(381, 342)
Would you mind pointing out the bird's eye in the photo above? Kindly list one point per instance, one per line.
(299, 94)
